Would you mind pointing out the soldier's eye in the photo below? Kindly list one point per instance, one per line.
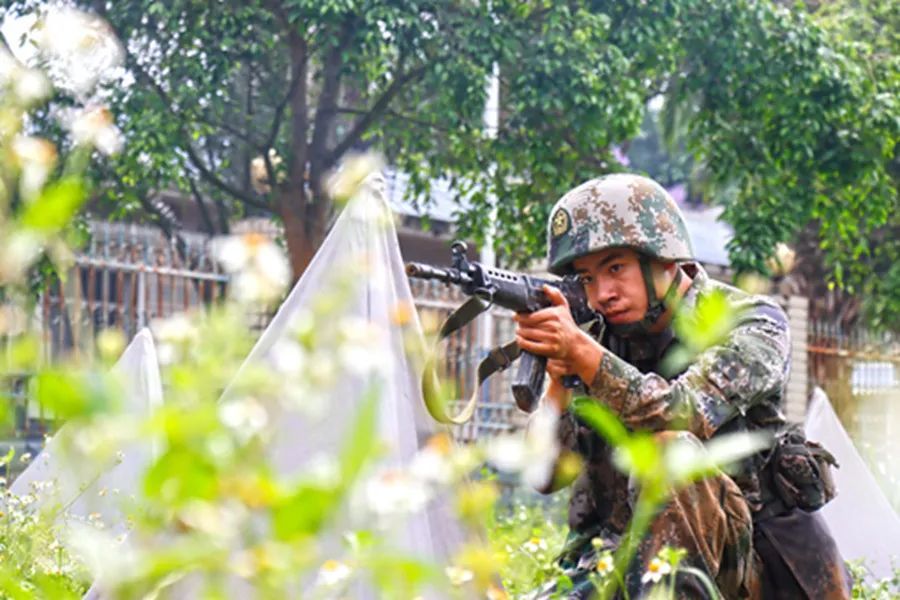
(615, 268)
(584, 279)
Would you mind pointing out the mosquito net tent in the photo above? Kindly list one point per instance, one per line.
(361, 248)
(85, 487)
(862, 521)
(363, 242)
(361, 257)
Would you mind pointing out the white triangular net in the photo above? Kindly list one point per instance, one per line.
(86, 488)
(862, 521)
(364, 234)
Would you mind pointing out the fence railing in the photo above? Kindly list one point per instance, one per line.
(126, 277)
(860, 372)
(130, 275)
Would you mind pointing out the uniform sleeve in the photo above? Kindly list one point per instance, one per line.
(749, 367)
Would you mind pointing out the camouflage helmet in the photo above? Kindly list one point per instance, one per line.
(618, 210)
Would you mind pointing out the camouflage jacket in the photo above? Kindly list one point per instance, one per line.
(737, 385)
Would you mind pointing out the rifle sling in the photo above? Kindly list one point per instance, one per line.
(497, 359)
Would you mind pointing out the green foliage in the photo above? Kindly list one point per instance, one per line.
(814, 138)
(787, 121)
(865, 588)
(35, 563)
(530, 531)
(658, 467)
(706, 325)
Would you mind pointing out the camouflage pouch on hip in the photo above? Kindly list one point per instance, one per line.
(801, 471)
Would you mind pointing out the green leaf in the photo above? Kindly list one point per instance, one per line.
(686, 460)
(362, 441)
(56, 205)
(305, 511)
(601, 419)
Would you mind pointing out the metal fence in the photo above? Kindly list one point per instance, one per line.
(860, 372)
(130, 275)
(126, 277)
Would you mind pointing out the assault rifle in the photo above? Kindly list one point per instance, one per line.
(518, 292)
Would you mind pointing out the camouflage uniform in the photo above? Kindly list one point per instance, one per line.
(737, 385)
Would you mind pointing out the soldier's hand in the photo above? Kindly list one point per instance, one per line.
(551, 332)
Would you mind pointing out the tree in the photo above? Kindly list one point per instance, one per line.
(868, 30)
(787, 124)
(300, 84)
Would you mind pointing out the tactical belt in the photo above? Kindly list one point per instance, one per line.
(498, 359)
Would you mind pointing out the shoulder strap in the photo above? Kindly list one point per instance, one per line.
(497, 359)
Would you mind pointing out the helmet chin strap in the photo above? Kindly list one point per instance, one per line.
(655, 306)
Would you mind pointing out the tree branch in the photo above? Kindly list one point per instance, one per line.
(392, 113)
(332, 72)
(188, 148)
(365, 121)
(204, 212)
(299, 118)
(141, 74)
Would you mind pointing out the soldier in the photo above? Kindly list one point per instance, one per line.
(626, 239)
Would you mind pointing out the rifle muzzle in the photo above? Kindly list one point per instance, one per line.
(422, 271)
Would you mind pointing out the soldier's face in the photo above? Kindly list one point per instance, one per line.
(614, 284)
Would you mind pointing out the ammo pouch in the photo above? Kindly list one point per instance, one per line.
(800, 471)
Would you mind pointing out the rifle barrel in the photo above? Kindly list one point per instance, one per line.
(423, 271)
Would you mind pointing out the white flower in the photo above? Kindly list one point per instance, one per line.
(782, 260)
(532, 454)
(656, 570)
(433, 463)
(332, 573)
(245, 416)
(605, 563)
(31, 86)
(393, 491)
(95, 127)
(36, 158)
(41, 486)
(458, 576)
(9, 67)
(534, 545)
(172, 335)
(345, 182)
(222, 521)
(18, 251)
(80, 48)
(25, 457)
(361, 348)
(287, 357)
(259, 267)
(324, 469)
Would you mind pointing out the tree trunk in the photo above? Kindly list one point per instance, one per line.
(300, 246)
(304, 228)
